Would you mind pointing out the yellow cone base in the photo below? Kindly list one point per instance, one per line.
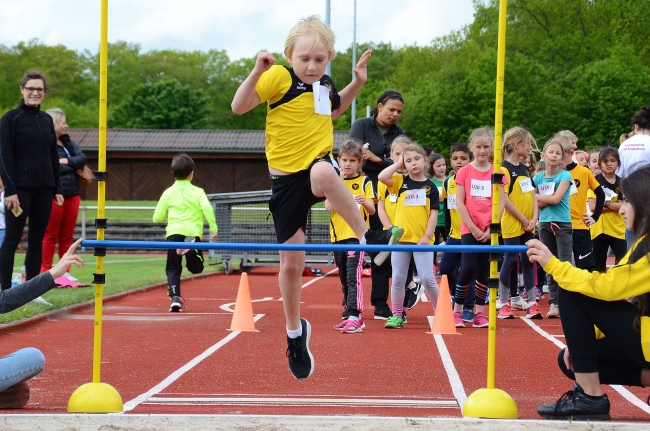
(95, 398)
(491, 404)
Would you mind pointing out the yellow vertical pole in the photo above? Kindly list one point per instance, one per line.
(97, 397)
(490, 402)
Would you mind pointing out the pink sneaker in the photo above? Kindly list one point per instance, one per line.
(505, 312)
(353, 326)
(534, 313)
(480, 321)
(341, 325)
(458, 319)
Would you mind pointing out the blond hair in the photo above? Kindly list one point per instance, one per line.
(402, 141)
(562, 140)
(514, 136)
(312, 25)
(57, 114)
(483, 134)
(569, 135)
(415, 148)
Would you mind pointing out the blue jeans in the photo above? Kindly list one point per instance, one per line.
(20, 366)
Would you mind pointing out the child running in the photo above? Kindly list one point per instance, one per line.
(474, 204)
(350, 264)
(609, 230)
(518, 223)
(302, 102)
(555, 212)
(460, 156)
(417, 211)
(185, 205)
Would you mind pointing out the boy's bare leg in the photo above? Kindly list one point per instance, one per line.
(325, 182)
(292, 264)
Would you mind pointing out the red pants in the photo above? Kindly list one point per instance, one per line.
(60, 229)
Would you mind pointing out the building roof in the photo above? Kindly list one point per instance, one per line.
(150, 140)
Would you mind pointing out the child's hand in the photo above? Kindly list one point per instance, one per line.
(532, 224)
(538, 252)
(67, 260)
(264, 62)
(359, 199)
(213, 236)
(424, 241)
(360, 71)
(328, 205)
(589, 220)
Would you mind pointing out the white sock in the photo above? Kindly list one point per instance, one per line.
(353, 318)
(294, 333)
(362, 241)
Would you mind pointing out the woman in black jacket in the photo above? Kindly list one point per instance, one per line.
(63, 219)
(29, 166)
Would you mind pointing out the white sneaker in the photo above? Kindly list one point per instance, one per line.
(40, 300)
(553, 312)
(545, 289)
(519, 303)
(70, 277)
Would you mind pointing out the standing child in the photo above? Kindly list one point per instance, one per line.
(593, 164)
(583, 180)
(185, 205)
(450, 263)
(438, 166)
(518, 223)
(350, 264)
(302, 102)
(609, 230)
(555, 212)
(474, 204)
(417, 211)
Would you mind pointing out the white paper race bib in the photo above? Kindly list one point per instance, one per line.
(451, 202)
(546, 189)
(526, 185)
(609, 194)
(415, 198)
(392, 198)
(573, 188)
(321, 99)
(481, 188)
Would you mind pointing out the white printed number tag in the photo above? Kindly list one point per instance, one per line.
(415, 198)
(573, 188)
(392, 198)
(451, 202)
(481, 188)
(546, 189)
(609, 194)
(321, 99)
(526, 185)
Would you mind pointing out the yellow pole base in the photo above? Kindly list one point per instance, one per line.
(491, 404)
(95, 398)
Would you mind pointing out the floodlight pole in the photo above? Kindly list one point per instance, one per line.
(354, 59)
(328, 69)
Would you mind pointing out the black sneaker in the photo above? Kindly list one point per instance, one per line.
(301, 362)
(176, 305)
(576, 405)
(381, 237)
(415, 296)
(382, 312)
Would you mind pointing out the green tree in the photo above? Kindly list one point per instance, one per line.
(162, 105)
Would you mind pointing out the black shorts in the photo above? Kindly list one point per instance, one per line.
(291, 199)
(582, 249)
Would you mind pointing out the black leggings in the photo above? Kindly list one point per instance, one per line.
(37, 206)
(618, 358)
(601, 245)
(472, 266)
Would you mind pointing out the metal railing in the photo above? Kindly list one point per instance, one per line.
(84, 208)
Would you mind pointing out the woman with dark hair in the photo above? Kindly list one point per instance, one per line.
(377, 133)
(63, 218)
(617, 350)
(635, 151)
(29, 166)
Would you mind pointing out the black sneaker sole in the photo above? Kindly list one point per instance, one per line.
(604, 417)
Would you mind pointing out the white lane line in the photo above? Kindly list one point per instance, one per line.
(228, 307)
(618, 388)
(184, 369)
(279, 401)
(454, 379)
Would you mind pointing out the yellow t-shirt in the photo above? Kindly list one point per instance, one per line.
(449, 193)
(415, 201)
(583, 180)
(610, 222)
(295, 134)
(520, 191)
(390, 200)
(359, 185)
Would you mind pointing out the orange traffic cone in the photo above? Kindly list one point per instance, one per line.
(242, 318)
(443, 322)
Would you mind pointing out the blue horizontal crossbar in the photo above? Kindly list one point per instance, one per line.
(304, 247)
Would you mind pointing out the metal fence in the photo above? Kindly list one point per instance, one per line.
(245, 217)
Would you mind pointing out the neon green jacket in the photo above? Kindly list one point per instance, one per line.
(185, 205)
(625, 280)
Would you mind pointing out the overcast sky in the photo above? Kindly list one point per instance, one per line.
(241, 27)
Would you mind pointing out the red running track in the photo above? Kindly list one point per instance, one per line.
(154, 358)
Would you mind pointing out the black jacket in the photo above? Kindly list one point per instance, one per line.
(366, 131)
(76, 160)
(28, 152)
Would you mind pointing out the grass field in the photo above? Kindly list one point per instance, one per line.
(123, 272)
